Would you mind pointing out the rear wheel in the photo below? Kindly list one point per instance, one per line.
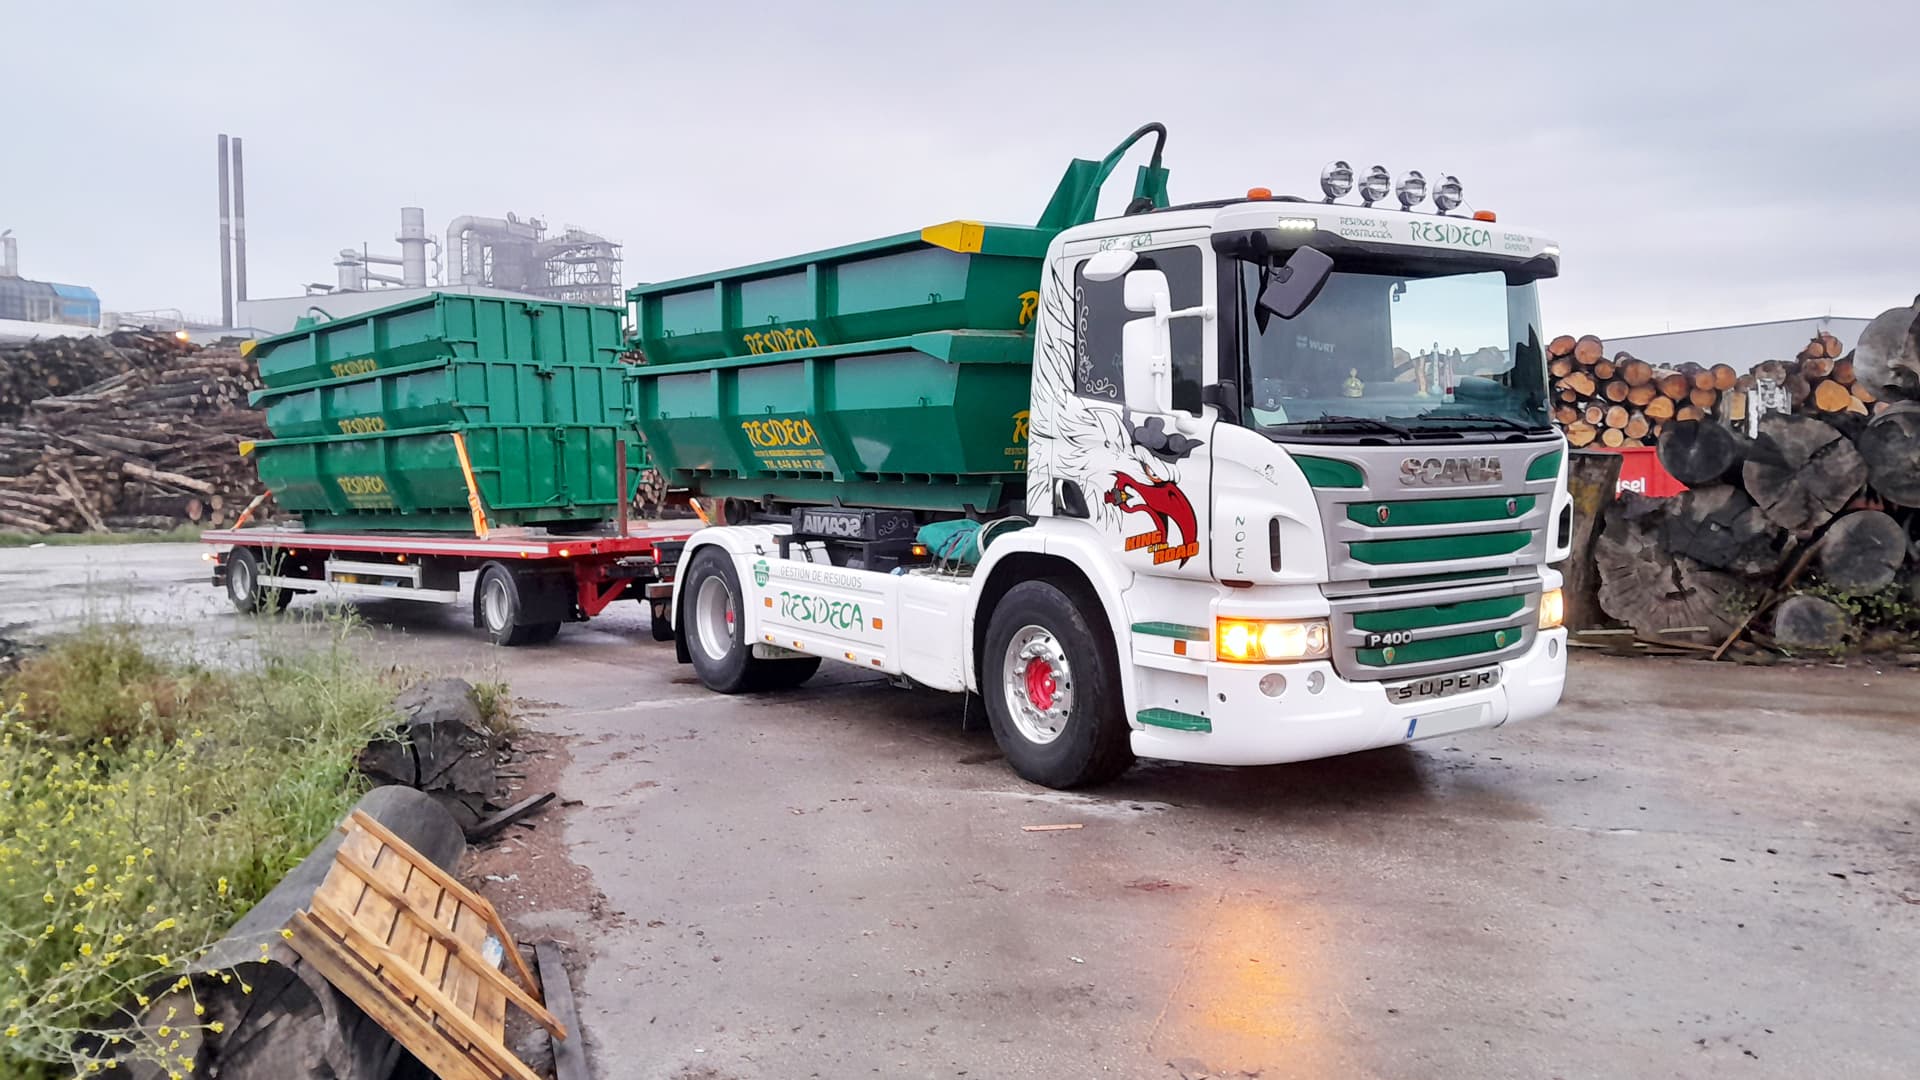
(1052, 688)
(243, 585)
(497, 608)
(713, 619)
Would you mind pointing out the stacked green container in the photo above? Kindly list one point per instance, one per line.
(893, 372)
(364, 410)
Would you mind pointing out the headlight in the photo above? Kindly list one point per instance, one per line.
(1336, 180)
(1376, 185)
(1412, 190)
(1260, 641)
(1553, 609)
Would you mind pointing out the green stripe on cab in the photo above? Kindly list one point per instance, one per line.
(1486, 641)
(1173, 718)
(1546, 467)
(1172, 630)
(1440, 511)
(1415, 618)
(1328, 473)
(1440, 548)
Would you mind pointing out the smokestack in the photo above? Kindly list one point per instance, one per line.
(9, 254)
(226, 243)
(413, 246)
(239, 226)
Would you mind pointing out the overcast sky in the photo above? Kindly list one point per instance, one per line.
(1696, 169)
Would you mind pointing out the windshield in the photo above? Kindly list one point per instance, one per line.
(1394, 354)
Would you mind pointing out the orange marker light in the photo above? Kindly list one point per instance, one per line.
(1259, 193)
(1484, 215)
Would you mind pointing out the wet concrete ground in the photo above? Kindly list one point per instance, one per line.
(1690, 870)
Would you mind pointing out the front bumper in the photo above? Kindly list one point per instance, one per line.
(1247, 727)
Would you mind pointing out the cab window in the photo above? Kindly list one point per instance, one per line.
(1100, 310)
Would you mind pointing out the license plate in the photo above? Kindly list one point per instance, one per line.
(1439, 686)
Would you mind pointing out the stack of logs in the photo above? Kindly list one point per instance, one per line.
(1626, 401)
(153, 445)
(1810, 529)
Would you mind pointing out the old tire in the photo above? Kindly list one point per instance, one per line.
(712, 617)
(1052, 687)
(244, 589)
(497, 607)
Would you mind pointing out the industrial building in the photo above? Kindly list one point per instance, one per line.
(1741, 345)
(512, 253)
(30, 309)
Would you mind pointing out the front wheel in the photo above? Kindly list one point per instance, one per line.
(712, 617)
(1052, 688)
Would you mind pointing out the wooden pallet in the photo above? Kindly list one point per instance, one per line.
(406, 942)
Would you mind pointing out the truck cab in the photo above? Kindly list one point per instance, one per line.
(1291, 489)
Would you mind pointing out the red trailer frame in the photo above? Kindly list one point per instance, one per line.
(531, 580)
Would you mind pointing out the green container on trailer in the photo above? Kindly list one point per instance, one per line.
(890, 373)
(556, 475)
(536, 389)
(440, 326)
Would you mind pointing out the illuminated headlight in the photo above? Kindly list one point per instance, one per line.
(1376, 185)
(1260, 641)
(1412, 190)
(1298, 224)
(1553, 609)
(1336, 180)
(1446, 194)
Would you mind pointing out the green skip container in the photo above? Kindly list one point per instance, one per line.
(365, 413)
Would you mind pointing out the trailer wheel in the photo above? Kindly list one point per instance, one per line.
(244, 589)
(497, 607)
(715, 626)
(1052, 688)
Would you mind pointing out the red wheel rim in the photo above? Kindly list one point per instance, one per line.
(1040, 686)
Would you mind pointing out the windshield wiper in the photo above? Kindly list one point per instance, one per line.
(1358, 423)
(1489, 418)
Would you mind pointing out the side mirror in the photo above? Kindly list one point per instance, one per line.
(1109, 264)
(1146, 362)
(1147, 291)
(1288, 289)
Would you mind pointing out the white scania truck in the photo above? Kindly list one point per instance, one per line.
(1240, 482)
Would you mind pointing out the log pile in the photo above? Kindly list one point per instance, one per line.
(1626, 401)
(152, 445)
(33, 370)
(1805, 537)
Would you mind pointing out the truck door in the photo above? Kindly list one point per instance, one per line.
(1151, 493)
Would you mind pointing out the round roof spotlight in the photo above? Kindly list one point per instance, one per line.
(1412, 190)
(1446, 194)
(1376, 185)
(1336, 180)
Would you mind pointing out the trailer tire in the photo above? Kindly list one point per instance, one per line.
(497, 607)
(244, 589)
(713, 621)
(1052, 687)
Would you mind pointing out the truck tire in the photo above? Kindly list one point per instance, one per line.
(244, 589)
(716, 633)
(1052, 687)
(497, 607)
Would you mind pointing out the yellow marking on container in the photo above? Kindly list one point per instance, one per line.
(246, 447)
(246, 347)
(964, 237)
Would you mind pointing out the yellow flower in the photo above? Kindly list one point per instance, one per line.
(223, 887)
(86, 949)
(216, 1027)
(13, 1031)
(165, 924)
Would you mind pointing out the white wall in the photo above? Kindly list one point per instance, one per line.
(1739, 346)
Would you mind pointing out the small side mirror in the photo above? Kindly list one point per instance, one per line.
(1109, 264)
(1147, 292)
(1288, 289)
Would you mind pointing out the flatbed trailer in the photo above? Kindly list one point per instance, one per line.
(530, 580)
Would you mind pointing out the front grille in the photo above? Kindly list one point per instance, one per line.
(1402, 635)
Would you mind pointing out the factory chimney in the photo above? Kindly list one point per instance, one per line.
(226, 243)
(239, 226)
(9, 254)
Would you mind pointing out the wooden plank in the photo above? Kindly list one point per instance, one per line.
(424, 896)
(489, 825)
(462, 1025)
(465, 895)
(569, 1055)
(348, 975)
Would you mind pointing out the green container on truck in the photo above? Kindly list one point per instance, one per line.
(888, 373)
(365, 415)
